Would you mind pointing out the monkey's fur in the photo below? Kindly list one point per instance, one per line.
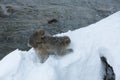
(36, 36)
(45, 45)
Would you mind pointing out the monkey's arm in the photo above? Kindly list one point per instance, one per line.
(43, 56)
(65, 52)
(68, 51)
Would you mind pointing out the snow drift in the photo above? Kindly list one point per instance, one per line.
(88, 43)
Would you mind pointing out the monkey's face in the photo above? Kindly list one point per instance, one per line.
(36, 38)
(65, 41)
(39, 32)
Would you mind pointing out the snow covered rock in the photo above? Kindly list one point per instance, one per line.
(89, 43)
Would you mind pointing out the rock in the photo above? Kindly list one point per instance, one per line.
(108, 70)
(19, 18)
(3, 11)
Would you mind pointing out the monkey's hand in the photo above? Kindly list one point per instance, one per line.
(68, 50)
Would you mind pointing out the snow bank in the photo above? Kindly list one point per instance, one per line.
(9, 64)
(89, 43)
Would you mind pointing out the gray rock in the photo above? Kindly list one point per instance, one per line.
(19, 18)
(107, 69)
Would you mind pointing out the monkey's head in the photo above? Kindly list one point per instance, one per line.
(66, 40)
(35, 38)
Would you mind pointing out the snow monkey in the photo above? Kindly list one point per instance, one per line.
(46, 44)
(33, 40)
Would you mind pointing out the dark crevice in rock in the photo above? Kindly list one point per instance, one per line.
(108, 69)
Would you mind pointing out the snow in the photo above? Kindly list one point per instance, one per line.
(9, 64)
(88, 43)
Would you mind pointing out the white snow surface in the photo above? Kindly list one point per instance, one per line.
(88, 44)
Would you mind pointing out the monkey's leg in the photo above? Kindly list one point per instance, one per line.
(68, 50)
(43, 55)
(65, 52)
